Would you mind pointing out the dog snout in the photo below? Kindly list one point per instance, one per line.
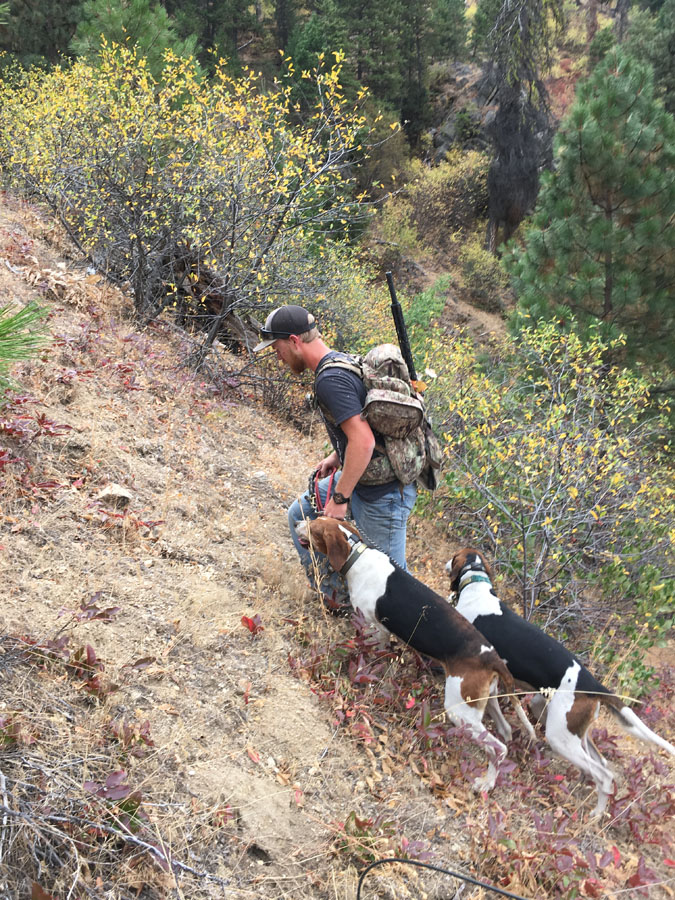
(302, 532)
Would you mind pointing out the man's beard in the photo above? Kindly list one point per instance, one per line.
(296, 364)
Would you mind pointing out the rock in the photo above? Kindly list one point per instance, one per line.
(490, 116)
(115, 495)
(447, 133)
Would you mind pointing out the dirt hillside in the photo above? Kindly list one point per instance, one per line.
(142, 515)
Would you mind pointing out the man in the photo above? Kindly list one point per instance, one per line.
(380, 510)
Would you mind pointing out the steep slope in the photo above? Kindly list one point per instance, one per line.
(196, 538)
(143, 515)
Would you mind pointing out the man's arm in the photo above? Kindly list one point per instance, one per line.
(360, 445)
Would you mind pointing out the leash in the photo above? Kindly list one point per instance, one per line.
(313, 491)
(422, 865)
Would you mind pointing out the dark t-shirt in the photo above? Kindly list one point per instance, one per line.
(343, 394)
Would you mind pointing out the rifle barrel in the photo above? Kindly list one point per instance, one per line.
(401, 330)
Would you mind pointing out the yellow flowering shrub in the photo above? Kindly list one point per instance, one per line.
(353, 311)
(557, 464)
(207, 196)
(482, 273)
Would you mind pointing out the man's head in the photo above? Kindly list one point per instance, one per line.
(282, 323)
(286, 329)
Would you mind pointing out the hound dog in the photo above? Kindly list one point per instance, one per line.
(395, 602)
(538, 661)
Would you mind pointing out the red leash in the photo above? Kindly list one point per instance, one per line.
(318, 505)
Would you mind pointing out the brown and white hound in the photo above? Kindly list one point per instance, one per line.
(538, 661)
(395, 602)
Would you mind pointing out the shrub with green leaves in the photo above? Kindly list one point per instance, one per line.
(424, 312)
(483, 275)
(450, 197)
(557, 465)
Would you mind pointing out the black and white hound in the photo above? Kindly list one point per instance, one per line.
(395, 602)
(571, 695)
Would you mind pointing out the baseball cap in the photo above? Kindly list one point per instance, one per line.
(282, 323)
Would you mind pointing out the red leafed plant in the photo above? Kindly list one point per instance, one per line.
(253, 623)
(123, 802)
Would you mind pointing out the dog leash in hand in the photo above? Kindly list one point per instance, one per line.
(313, 491)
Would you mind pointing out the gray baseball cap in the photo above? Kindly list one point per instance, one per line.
(282, 323)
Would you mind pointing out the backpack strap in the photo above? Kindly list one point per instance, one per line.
(350, 363)
(379, 469)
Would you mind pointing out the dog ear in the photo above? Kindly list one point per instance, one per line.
(486, 566)
(454, 567)
(337, 547)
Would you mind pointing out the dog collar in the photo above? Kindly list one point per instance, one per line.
(358, 547)
(471, 577)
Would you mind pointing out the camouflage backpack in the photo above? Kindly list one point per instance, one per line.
(394, 410)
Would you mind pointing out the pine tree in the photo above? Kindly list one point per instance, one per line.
(284, 20)
(664, 55)
(135, 22)
(520, 51)
(39, 32)
(414, 55)
(21, 336)
(222, 27)
(307, 44)
(483, 22)
(313, 37)
(449, 29)
(371, 29)
(601, 247)
(652, 38)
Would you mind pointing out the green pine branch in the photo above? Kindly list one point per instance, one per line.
(21, 336)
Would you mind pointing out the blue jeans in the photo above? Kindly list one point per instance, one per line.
(381, 523)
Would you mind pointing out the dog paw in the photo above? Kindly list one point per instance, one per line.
(483, 784)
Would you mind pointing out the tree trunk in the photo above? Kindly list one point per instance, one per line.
(621, 13)
(591, 20)
(491, 234)
(609, 271)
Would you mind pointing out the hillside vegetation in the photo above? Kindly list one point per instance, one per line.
(179, 716)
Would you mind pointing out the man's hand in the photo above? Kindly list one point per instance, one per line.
(328, 465)
(336, 510)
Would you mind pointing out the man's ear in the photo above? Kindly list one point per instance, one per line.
(337, 548)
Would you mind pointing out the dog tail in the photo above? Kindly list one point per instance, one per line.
(510, 686)
(634, 725)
